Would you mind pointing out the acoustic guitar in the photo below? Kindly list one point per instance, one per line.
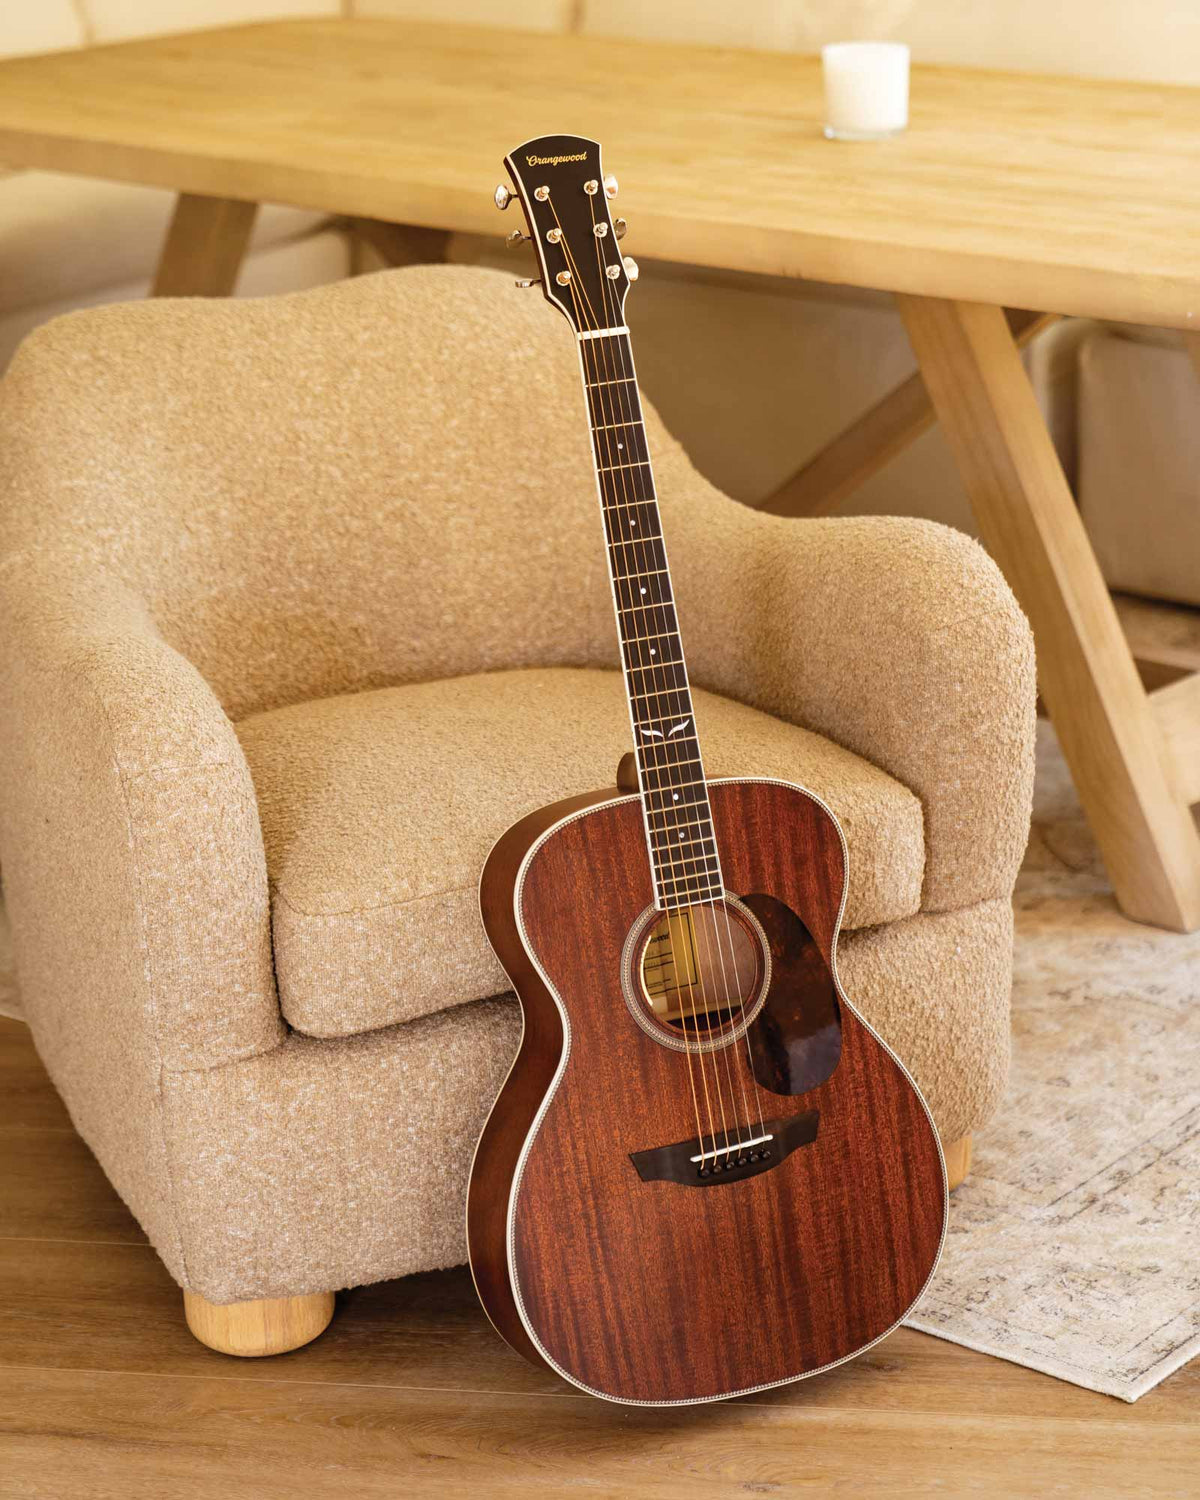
(705, 1173)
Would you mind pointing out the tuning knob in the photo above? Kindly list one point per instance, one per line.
(524, 281)
(619, 228)
(517, 237)
(631, 267)
(610, 186)
(503, 196)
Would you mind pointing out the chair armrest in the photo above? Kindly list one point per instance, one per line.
(897, 638)
(129, 833)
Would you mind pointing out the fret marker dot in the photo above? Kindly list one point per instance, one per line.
(653, 650)
(641, 591)
(675, 797)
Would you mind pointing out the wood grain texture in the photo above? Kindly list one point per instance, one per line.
(206, 243)
(402, 244)
(981, 200)
(251, 1330)
(650, 1291)
(1176, 709)
(1031, 525)
(874, 439)
(958, 1162)
(104, 1393)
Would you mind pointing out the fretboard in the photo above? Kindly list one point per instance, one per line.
(679, 830)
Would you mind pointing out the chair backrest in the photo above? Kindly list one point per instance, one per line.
(383, 480)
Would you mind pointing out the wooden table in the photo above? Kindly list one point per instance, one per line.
(1007, 192)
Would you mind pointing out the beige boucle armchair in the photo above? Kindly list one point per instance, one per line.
(302, 602)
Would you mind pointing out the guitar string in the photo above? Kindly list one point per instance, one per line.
(684, 983)
(621, 405)
(592, 370)
(575, 297)
(606, 291)
(707, 934)
(619, 400)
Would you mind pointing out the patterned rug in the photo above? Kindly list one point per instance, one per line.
(1074, 1244)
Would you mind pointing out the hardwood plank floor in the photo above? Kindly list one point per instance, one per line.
(103, 1393)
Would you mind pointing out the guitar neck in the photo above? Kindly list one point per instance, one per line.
(679, 830)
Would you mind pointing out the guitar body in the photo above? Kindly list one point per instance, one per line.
(601, 1247)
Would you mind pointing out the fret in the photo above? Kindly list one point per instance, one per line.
(706, 869)
(649, 503)
(653, 720)
(614, 422)
(678, 858)
(641, 596)
(671, 692)
(637, 560)
(649, 665)
(677, 801)
(594, 385)
(695, 889)
(690, 760)
(636, 521)
(663, 635)
(689, 842)
(646, 572)
(641, 463)
(614, 404)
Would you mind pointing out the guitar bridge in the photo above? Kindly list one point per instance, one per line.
(727, 1156)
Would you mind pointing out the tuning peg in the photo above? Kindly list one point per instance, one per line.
(503, 196)
(610, 186)
(517, 237)
(525, 281)
(631, 267)
(619, 228)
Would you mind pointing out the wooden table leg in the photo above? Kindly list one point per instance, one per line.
(403, 244)
(874, 439)
(1108, 728)
(205, 247)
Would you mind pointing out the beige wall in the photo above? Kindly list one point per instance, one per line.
(1156, 40)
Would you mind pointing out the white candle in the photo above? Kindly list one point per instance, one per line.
(866, 90)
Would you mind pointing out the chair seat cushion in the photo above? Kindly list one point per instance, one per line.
(378, 810)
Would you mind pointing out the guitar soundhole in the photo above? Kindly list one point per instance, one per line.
(701, 970)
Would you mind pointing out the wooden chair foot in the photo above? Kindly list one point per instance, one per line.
(270, 1326)
(958, 1161)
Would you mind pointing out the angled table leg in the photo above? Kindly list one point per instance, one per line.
(874, 439)
(205, 246)
(403, 244)
(1109, 730)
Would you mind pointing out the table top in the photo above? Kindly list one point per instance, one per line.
(1065, 195)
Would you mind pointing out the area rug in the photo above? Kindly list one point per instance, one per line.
(1074, 1244)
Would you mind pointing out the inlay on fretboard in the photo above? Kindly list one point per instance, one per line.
(674, 795)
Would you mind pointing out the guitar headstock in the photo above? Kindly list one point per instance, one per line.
(561, 185)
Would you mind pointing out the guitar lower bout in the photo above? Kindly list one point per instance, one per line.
(705, 1173)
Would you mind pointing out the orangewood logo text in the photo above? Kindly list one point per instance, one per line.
(553, 161)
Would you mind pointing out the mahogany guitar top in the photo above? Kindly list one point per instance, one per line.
(653, 1291)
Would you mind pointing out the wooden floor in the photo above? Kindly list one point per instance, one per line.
(103, 1393)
